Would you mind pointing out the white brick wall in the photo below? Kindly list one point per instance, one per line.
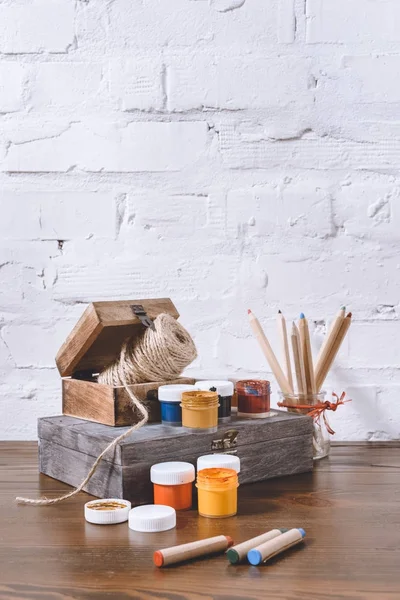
(226, 153)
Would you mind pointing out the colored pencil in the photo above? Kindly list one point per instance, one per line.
(307, 356)
(285, 347)
(269, 354)
(334, 350)
(298, 361)
(328, 343)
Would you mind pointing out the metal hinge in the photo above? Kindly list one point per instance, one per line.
(140, 313)
(227, 443)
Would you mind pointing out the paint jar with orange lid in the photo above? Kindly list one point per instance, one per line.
(200, 411)
(217, 492)
(172, 484)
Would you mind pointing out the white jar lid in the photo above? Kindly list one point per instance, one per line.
(108, 511)
(172, 473)
(152, 518)
(223, 388)
(223, 461)
(173, 392)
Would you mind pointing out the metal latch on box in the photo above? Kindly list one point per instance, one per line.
(227, 443)
(140, 313)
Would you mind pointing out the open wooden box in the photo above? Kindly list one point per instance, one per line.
(94, 343)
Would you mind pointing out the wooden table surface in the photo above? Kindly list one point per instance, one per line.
(349, 507)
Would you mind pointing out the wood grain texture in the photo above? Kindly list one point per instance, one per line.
(280, 446)
(111, 405)
(97, 337)
(349, 507)
(90, 438)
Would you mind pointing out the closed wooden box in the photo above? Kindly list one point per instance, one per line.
(94, 343)
(272, 447)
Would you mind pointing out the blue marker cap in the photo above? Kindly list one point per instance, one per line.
(302, 316)
(254, 557)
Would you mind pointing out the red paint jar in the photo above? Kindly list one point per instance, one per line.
(172, 484)
(253, 397)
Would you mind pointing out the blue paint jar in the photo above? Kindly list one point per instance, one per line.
(169, 397)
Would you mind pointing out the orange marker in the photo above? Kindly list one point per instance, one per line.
(176, 554)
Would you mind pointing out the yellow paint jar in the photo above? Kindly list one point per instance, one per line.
(200, 411)
(217, 492)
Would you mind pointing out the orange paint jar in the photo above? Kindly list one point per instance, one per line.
(217, 492)
(172, 484)
(200, 411)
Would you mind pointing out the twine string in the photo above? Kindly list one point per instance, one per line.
(316, 410)
(171, 346)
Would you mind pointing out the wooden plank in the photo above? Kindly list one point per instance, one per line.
(348, 507)
(72, 434)
(72, 467)
(78, 341)
(112, 405)
(147, 393)
(96, 339)
(259, 461)
(92, 438)
(111, 312)
(88, 400)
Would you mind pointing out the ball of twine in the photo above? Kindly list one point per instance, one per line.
(158, 355)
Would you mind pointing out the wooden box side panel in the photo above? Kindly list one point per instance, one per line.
(259, 462)
(112, 405)
(165, 441)
(147, 394)
(71, 466)
(87, 400)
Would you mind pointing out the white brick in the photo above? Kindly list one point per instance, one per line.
(140, 146)
(12, 76)
(29, 393)
(185, 23)
(370, 79)
(246, 145)
(186, 149)
(358, 419)
(344, 21)
(302, 209)
(56, 215)
(32, 346)
(195, 276)
(179, 216)
(375, 344)
(38, 26)
(136, 83)
(359, 85)
(211, 81)
(62, 85)
(369, 210)
(10, 284)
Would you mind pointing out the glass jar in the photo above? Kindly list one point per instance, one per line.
(200, 411)
(172, 484)
(170, 402)
(321, 440)
(217, 492)
(224, 390)
(253, 398)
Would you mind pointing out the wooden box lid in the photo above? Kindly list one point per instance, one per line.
(96, 339)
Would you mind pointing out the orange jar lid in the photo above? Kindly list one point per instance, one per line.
(217, 479)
